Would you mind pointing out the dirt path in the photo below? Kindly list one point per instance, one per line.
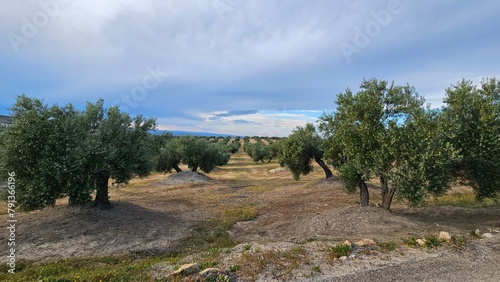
(479, 263)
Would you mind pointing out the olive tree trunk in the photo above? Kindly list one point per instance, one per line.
(102, 198)
(364, 196)
(177, 168)
(328, 172)
(387, 194)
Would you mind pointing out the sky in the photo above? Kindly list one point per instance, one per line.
(255, 67)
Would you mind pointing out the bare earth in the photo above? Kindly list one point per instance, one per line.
(150, 216)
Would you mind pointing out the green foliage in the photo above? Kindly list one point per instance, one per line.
(473, 120)
(431, 241)
(169, 156)
(384, 131)
(235, 146)
(234, 267)
(428, 172)
(412, 242)
(258, 151)
(203, 154)
(299, 150)
(387, 246)
(340, 250)
(59, 151)
(350, 178)
(316, 268)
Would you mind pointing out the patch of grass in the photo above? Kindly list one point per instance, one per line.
(461, 241)
(340, 250)
(411, 242)
(211, 257)
(234, 267)
(279, 264)
(213, 233)
(247, 247)
(205, 236)
(432, 241)
(232, 215)
(464, 200)
(316, 269)
(122, 268)
(387, 246)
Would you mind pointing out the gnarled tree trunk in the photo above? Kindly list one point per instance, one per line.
(364, 196)
(328, 172)
(177, 168)
(387, 194)
(195, 168)
(102, 198)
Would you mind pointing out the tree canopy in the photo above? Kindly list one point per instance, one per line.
(472, 117)
(385, 131)
(299, 150)
(59, 151)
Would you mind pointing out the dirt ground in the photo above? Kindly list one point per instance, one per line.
(151, 216)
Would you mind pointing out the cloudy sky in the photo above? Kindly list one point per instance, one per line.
(255, 67)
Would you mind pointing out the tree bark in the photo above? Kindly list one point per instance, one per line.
(195, 168)
(102, 198)
(71, 201)
(388, 200)
(387, 194)
(364, 196)
(177, 168)
(328, 172)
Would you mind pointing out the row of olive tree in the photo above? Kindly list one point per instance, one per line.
(60, 151)
(194, 152)
(258, 151)
(386, 131)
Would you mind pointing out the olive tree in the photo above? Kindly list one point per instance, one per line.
(200, 153)
(169, 156)
(59, 151)
(473, 118)
(258, 151)
(384, 131)
(299, 150)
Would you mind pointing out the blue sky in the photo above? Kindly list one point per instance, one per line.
(256, 67)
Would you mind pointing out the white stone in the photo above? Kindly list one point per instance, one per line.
(445, 236)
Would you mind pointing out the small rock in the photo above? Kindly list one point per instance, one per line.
(343, 258)
(352, 256)
(487, 235)
(187, 269)
(477, 232)
(347, 243)
(445, 236)
(366, 242)
(420, 242)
